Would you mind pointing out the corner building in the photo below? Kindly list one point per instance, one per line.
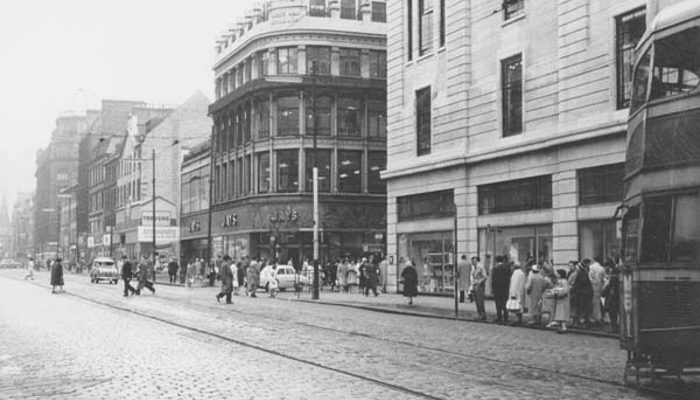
(507, 126)
(263, 142)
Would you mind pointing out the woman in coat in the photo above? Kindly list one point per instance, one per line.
(57, 275)
(409, 278)
(581, 293)
(535, 286)
(226, 280)
(562, 308)
(517, 292)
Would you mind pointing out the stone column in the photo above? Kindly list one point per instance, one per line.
(366, 11)
(364, 63)
(564, 218)
(335, 61)
(334, 8)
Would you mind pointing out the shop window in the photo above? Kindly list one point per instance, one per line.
(425, 26)
(323, 162)
(287, 60)
(517, 195)
(519, 244)
(349, 62)
(431, 205)
(287, 171)
(601, 184)
(350, 171)
(656, 229)
(378, 11)
(321, 57)
(599, 240)
(376, 163)
(432, 255)
(317, 8)
(348, 9)
(288, 116)
(377, 64)
(685, 246)
(423, 121)
(349, 117)
(323, 116)
(629, 28)
(512, 95)
(376, 116)
(670, 230)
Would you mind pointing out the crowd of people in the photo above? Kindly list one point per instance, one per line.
(581, 295)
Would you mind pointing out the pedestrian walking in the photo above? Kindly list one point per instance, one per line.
(409, 279)
(478, 281)
(57, 275)
(596, 274)
(172, 269)
(611, 292)
(362, 274)
(534, 287)
(127, 274)
(240, 272)
(516, 294)
(273, 286)
(145, 271)
(372, 272)
(383, 278)
(253, 277)
(30, 269)
(192, 272)
(463, 277)
(343, 275)
(500, 283)
(234, 273)
(226, 276)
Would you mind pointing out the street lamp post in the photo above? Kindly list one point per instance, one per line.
(315, 184)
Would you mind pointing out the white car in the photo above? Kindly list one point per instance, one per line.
(286, 277)
(104, 269)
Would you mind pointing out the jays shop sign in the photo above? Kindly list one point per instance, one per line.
(162, 218)
(164, 234)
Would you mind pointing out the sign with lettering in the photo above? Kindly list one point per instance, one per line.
(230, 220)
(195, 226)
(162, 218)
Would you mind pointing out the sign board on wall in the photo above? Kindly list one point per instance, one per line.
(162, 218)
(164, 234)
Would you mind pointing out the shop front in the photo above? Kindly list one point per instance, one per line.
(432, 254)
(193, 237)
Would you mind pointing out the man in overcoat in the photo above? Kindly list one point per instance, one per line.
(126, 276)
(145, 271)
(226, 275)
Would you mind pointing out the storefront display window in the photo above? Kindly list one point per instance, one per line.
(599, 240)
(519, 244)
(432, 254)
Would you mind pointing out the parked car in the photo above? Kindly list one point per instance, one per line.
(8, 263)
(104, 269)
(286, 277)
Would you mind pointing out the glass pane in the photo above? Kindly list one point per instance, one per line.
(641, 79)
(630, 227)
(288, 116)
(323, 115)
(349, 117)
(287, 170)
(675, 64)
(263, 172)
(323, 162)
(686, 235)
(655, 230)
(350, 171)
(375, 164)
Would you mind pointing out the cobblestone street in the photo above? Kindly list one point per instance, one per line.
(90, 342)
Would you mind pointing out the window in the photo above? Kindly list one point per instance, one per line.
(656, 229)
(671, 231)
(323, 162)
(317, 8)
(349, 62)
(239, 76)
(629, 30)
(425, 26)
(378, 11)
(349, 116)
(640, 82)
(240, 126)
(263, 117)
(247, 168)
(322, 57)
(409, 28)
(442, 23)
(426, 206)
(601, 184)
(517, 195)
(350, 171)
(377, 64)
(287, 171)
(348, 9)
(520, 243)
(423, 120)
(599, 240)
(262, 63)
(217, 189)
(675, 67)
(323, 116)
(287, 60)
(376, 163)
(511, 83)
(685, 246)
(246, 122)
(288, 116)
(376, 118)
(248, 70)
(233, 179)
(512, 8)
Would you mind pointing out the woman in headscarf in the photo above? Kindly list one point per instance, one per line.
(57, 275)
(409, 278)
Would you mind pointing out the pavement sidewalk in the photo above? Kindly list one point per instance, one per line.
(426, 306)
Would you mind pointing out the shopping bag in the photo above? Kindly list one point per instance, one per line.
(514, 305)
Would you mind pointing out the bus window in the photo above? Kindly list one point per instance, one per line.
(641, 78)
(686, 232)
(676, 64)
(656, 230)
(630, 225)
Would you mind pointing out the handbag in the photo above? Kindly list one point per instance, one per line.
(514, 305)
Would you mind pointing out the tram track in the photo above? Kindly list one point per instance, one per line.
(198, 304)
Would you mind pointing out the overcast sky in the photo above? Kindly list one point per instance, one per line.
(157, 51)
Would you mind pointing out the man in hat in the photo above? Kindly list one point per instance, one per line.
(226, 280)
(535, 286)
(127, 274)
